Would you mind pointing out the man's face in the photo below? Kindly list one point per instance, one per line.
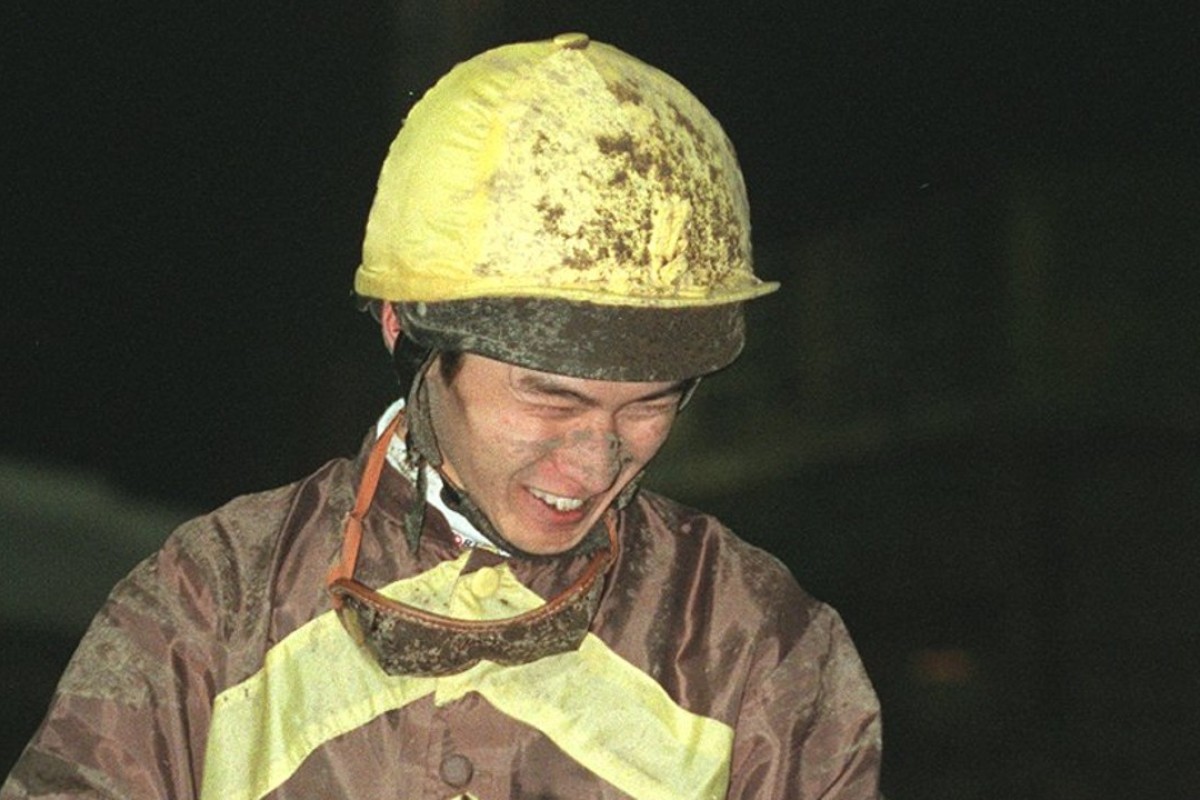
(544, 455)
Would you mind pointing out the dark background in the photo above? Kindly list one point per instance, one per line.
(968, 420)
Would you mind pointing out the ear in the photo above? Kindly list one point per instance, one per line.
(389, 325)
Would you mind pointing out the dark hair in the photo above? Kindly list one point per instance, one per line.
(449, 363)
(408, 357)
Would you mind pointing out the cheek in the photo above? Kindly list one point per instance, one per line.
(644, 440)
(484, 448)
(517, 441)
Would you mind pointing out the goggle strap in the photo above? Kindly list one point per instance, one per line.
(353, 531)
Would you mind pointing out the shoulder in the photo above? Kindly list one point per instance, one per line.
(747, 579)
(796, 640)
(210, 587)
(265, 520)
(228, 559)
(701, 535)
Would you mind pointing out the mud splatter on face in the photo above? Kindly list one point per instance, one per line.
(544, 456)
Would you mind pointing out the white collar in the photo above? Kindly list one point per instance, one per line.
(397, 456)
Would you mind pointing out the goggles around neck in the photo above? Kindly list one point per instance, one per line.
(406, 640)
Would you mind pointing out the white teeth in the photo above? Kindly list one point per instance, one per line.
(560, 503)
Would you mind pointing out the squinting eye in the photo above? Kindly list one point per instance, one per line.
(555, 409)
(656, 409)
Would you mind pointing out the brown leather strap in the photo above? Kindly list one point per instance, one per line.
(352, 534)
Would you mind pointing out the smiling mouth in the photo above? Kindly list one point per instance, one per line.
(557, 502)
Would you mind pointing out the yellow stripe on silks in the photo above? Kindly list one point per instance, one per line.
(599, 709)
(602, 711)
(611, 717)
(313, 686)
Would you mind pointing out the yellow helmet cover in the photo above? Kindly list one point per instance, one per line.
(560, 170)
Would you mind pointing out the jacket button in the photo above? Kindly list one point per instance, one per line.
(485, 582)
(456, 770)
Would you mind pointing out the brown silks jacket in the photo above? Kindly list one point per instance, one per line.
(217, 670)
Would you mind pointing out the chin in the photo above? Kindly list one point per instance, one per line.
(547, 545)
(549, 541)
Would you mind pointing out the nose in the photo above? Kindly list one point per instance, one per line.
(592, 457)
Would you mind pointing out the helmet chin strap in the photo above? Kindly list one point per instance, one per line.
(411, 361)
(423, 450)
